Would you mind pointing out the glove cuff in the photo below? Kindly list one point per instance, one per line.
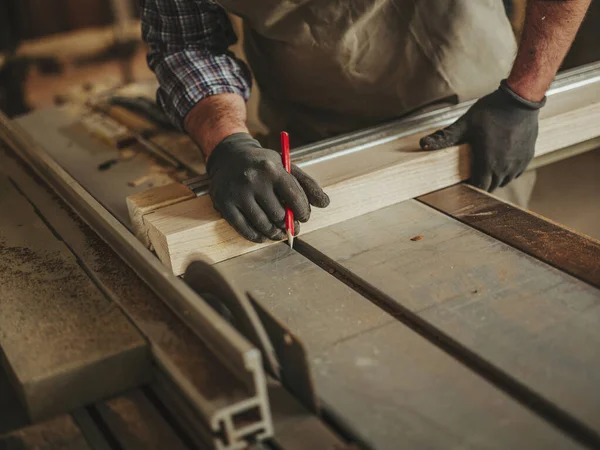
(228, 145)
(504, 87)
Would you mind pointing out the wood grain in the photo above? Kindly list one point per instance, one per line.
(146, 202)
(357, 183)
(376, 376)
(536, 325)
(181, 231)
(537, 236)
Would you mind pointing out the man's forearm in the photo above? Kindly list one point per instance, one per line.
(214, 118)
(550, 28)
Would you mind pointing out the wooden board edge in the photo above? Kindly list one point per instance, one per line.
(451, 165)
(535, 235)
(158, 243)
(554, 135)
(151, 200)
(567, 129)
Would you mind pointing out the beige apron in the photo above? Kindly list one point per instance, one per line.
(326, 67)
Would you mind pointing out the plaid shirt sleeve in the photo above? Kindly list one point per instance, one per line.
(189, 41)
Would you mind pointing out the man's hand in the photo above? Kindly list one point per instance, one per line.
(502, 128)
(250, 188)
(249, 185)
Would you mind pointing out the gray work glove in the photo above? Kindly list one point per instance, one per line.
(502, 128)
(250, 188)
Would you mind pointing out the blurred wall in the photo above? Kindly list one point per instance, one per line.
(586, 48)
(37, 18)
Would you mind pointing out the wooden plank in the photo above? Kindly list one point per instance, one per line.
(148, 201)
(184, 230)
(63, 342)
(535, 324)
(377, 377)
(136, 424)
(357, 183)
(59, 433)
(537, 236)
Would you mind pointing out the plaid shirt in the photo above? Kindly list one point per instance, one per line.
(189, 41)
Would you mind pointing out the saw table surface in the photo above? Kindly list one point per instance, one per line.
(529, 328)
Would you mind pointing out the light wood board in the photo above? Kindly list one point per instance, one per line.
(377, 376)
(533, 322)
(151, 200)
(357, 183)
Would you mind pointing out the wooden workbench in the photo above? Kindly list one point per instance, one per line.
(453, 320)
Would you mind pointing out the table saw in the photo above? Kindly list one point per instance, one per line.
(445, 321)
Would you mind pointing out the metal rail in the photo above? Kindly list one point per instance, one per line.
(383, 134)
(236, 353)
(324, 150)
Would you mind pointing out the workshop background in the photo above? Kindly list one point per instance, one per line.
(49, 46)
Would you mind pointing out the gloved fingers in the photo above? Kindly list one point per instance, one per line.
(449, 136)
(316, 196)
(272, 206)
(259, 220)
(296, 228)
(496, 180)
(237, 220)
(521, 169)
(292, 195)
(512, 173)
(481, 178)
(507, 179)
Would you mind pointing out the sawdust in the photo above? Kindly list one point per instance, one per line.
(16, 264)
(186, 351)
(47, 298)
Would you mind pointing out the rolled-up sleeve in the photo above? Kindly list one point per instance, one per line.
(188, 51)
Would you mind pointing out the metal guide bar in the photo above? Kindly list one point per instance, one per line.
(236, 353)
(382, 134)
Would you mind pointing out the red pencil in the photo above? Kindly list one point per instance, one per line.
(285, 158)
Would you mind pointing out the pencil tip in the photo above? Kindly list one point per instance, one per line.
(290, 238)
